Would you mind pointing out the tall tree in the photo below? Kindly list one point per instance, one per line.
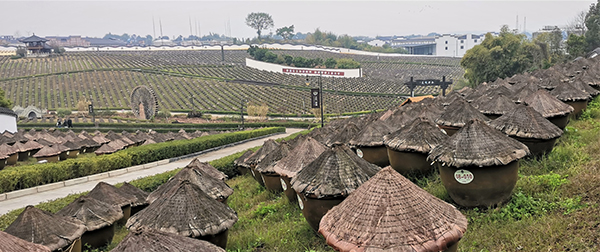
(577, 24)
(592, 23)
(4, 102)
(259, 21)
(287, 32)
(500, 57)
(576, 45)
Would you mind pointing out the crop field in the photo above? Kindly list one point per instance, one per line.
(107, 78)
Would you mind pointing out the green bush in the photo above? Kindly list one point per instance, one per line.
(26, 176)
(63, 112)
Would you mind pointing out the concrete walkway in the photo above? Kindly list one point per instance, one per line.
(33, 196)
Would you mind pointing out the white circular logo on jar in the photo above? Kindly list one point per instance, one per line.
(300, 202)
(463, 176)
(283, 185)
(359, 153)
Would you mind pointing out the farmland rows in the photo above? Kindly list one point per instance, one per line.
(109, 77)
(111, 89)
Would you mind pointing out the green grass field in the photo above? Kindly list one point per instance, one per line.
(554, 205)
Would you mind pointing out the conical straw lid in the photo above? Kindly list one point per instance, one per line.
(478, 144)
(335, 173)
(390, 213)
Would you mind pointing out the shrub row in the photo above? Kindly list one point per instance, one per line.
(21, 177)
(224, 164)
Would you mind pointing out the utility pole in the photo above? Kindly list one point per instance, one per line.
(242, 111)
(321, 93)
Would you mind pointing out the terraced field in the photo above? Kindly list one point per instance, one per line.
(109, 77)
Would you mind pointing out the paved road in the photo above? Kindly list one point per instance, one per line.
(33, 199)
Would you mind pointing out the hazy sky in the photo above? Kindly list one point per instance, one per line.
(370, 18)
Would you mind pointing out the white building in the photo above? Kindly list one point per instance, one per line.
(456, 46)
(376, 42)
(444, 45)
(8, 120)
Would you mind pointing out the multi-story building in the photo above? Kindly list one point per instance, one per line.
(443, 45)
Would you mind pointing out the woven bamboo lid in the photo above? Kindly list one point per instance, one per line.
(148, 240)
(459, 113)
(50, 230)
(421, 136)
(567, 93)
(9, 243)
(493, 105)
(140, 195)
(185, 210)
(335, 173)
(305, 152)
(478, 144)
(525, 122)
(215, 188)
(261, 153)
(111, 195)
(207, 168)
(266, 166)
(371, 135)
(47, 151)
(344, 135)
(105, 149)
(547, 105)
(240, 161)
(93, 213)
(390, 213)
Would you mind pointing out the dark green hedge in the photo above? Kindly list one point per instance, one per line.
(224, 164)
(21, 177)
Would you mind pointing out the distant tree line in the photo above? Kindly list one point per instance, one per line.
(509, 53)
(263, 54)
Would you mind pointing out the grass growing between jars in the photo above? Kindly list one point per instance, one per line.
(554, 207)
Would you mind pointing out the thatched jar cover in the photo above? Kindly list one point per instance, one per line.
(529, 127)
(148, 240)
(390, 213)
(10, 243)
(93, 213)
(408, 147)
(570, 95)
(112, 195)
(579, 84)
(550, 107)
(105, 149)
(479, 164)
(306, 151)
(321, 134)
(330, 178)
(457, 115)
(368, 143)
(239, 163)
(98, 218)
(493, 106)
(214, 188)
(266, 167)
(41, 227)
(208, 169)
(344, 135)
(187, 211)
(141, 197)
(267, 147)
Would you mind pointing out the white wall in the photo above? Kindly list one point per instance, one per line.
(454, 45)
(8, 123)
(339, 73)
